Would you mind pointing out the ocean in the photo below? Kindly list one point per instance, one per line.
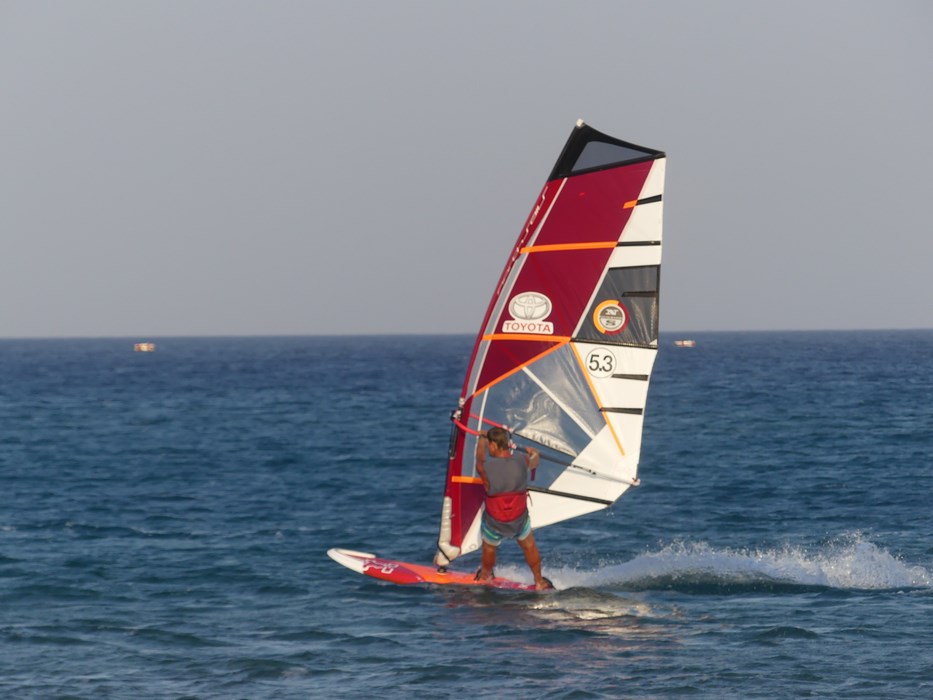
(165, 520)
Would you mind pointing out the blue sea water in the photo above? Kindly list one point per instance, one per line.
(165, 518)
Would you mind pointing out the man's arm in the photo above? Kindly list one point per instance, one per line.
(481, 460)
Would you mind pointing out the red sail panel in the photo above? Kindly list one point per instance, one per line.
(566, 278)
(591, 207)
(467, 498)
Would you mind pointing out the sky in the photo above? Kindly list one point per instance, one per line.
(225, 167)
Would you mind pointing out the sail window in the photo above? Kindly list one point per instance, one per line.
(597, 154)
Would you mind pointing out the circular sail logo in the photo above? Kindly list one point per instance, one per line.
(610, 317)
(528, 310)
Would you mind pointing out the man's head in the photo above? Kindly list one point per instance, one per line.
(498, 437)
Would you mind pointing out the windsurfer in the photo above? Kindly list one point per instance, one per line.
(505, 478)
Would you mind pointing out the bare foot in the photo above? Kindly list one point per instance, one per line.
(483, 575)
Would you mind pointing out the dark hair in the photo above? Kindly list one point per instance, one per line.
(500, 436)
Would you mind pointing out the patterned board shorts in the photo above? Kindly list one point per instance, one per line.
(493, 538)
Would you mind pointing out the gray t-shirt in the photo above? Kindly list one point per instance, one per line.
(506, 475)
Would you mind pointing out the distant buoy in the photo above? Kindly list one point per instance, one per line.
(144, 347)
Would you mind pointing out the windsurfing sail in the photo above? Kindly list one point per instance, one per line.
(566, 348)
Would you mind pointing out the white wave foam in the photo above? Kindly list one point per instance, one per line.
(849, 562)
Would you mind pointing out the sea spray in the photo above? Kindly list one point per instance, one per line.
(848, 562)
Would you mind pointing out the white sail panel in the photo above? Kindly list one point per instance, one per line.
(619, 374)
(628, 428)
(654, 183)
(547, 509)
(635, 256)
(645, 224)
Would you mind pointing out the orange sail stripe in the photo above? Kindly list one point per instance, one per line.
(593, 245)
(519, 368)
(560, 339)
(466, 480)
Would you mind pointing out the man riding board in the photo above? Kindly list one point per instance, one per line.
(505, 478)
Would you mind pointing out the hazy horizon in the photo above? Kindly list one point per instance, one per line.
(665, 334)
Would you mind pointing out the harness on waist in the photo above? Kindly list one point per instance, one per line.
(508, 506)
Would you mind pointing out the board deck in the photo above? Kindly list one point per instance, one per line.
(406, 573)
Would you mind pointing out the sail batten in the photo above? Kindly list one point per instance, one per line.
(571, 496)
(565, 352)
